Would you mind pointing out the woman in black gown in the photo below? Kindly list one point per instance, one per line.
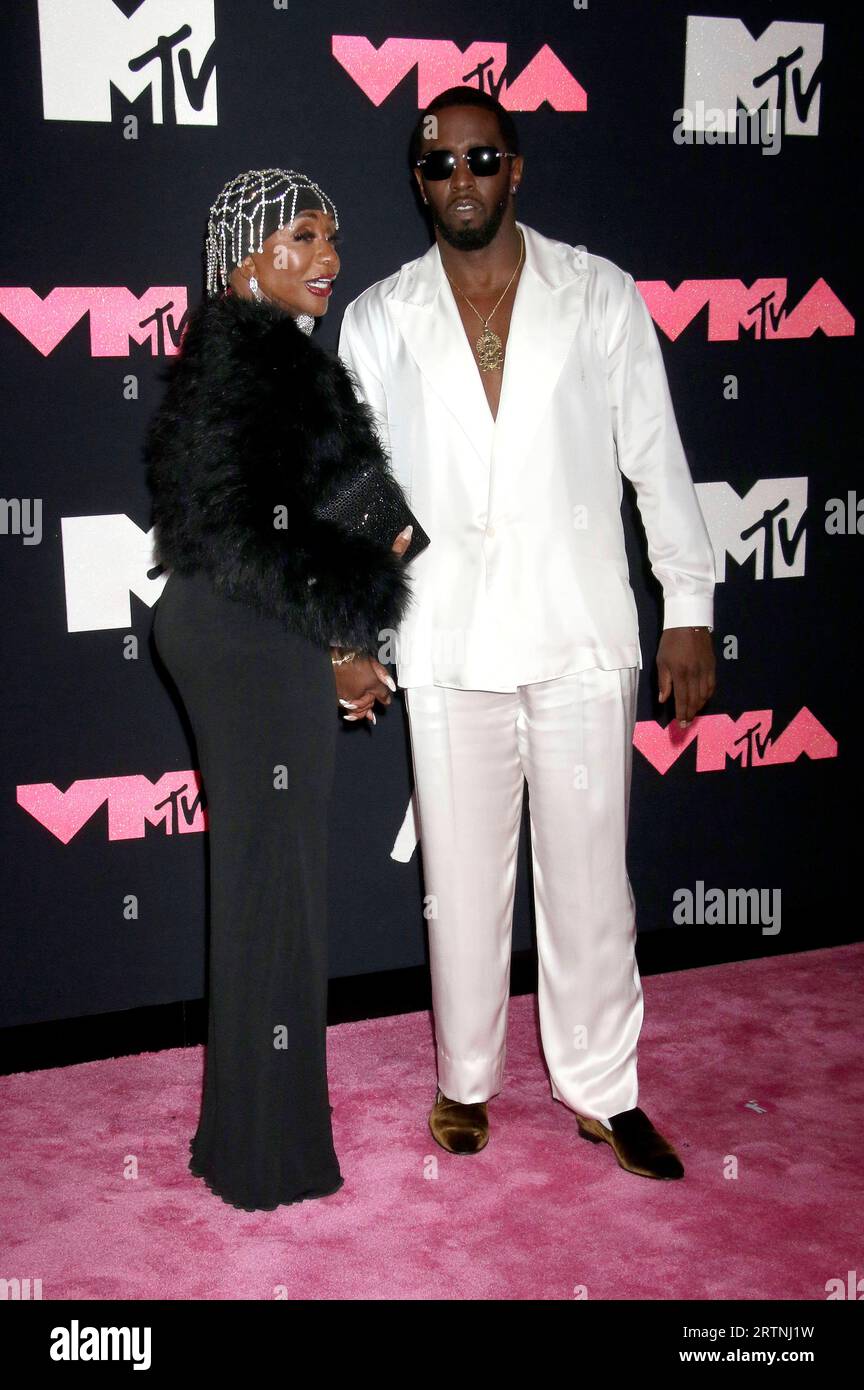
(262, 609)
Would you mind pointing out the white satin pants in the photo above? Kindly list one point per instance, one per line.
(572, 739)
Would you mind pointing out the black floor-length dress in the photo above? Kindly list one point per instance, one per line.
(258, 429)
(260, 698)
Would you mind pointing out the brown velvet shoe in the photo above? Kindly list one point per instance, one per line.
(637, 1145)
(461, 1129)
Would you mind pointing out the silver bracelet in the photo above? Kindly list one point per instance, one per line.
(340, 660)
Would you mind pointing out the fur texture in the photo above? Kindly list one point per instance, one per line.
(255, 417)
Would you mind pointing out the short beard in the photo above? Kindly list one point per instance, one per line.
(473, 238)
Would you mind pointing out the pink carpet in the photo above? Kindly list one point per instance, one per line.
(539, 1214)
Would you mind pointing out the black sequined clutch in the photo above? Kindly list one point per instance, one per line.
(374, 505)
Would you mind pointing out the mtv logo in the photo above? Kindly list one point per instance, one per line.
(165, 47)
(117, 316)
(175, 801)
(768, 522)
(725, 65)
(105, 558)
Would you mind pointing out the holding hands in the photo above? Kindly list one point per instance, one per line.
(361, 679)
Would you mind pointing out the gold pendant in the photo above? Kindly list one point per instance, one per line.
(489, 351)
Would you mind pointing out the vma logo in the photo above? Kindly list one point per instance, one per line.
(759, 309)
(116, 315)
(727, 69)
(176, 802)
(165, 47)
(440, 63)
(768, 523)
(750, 740)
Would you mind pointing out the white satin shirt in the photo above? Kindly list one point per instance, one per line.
(526, 577)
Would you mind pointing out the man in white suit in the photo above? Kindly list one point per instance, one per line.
(514, 378)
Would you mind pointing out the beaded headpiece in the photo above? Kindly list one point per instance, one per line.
(250, 208)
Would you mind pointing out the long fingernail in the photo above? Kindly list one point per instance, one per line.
(351, 704)
(409, 531)
(372, 717)
(388, 680)
(349, 717)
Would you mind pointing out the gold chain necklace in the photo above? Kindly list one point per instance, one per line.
(489, 349)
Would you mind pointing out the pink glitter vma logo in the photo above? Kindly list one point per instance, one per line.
(759, 309)
(748, 740)
(115, 314)
(440, 64)
(175, 802)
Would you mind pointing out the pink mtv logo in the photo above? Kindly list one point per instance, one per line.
(133, 802)
(760, 309)
(116, 316)
(747, 739)
(440, 63)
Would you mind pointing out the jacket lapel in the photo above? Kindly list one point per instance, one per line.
(545, 315)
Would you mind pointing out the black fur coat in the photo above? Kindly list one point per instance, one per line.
(256, 416)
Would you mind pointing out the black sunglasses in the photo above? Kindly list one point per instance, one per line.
(482, 160)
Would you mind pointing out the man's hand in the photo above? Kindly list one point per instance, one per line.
(685, 662)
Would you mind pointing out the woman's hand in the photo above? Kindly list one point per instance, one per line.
(359, 683)
(403, 540)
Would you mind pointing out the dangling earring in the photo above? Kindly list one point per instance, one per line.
(305, 322)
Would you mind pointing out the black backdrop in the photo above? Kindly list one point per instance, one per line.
(107, 184)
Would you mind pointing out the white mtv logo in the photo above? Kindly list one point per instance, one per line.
(105, 558)
(725, 65)
(767, 522)
(166, 46)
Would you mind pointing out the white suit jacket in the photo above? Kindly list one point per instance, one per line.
(526, 577)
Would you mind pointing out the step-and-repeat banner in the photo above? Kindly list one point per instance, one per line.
(712, 156)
